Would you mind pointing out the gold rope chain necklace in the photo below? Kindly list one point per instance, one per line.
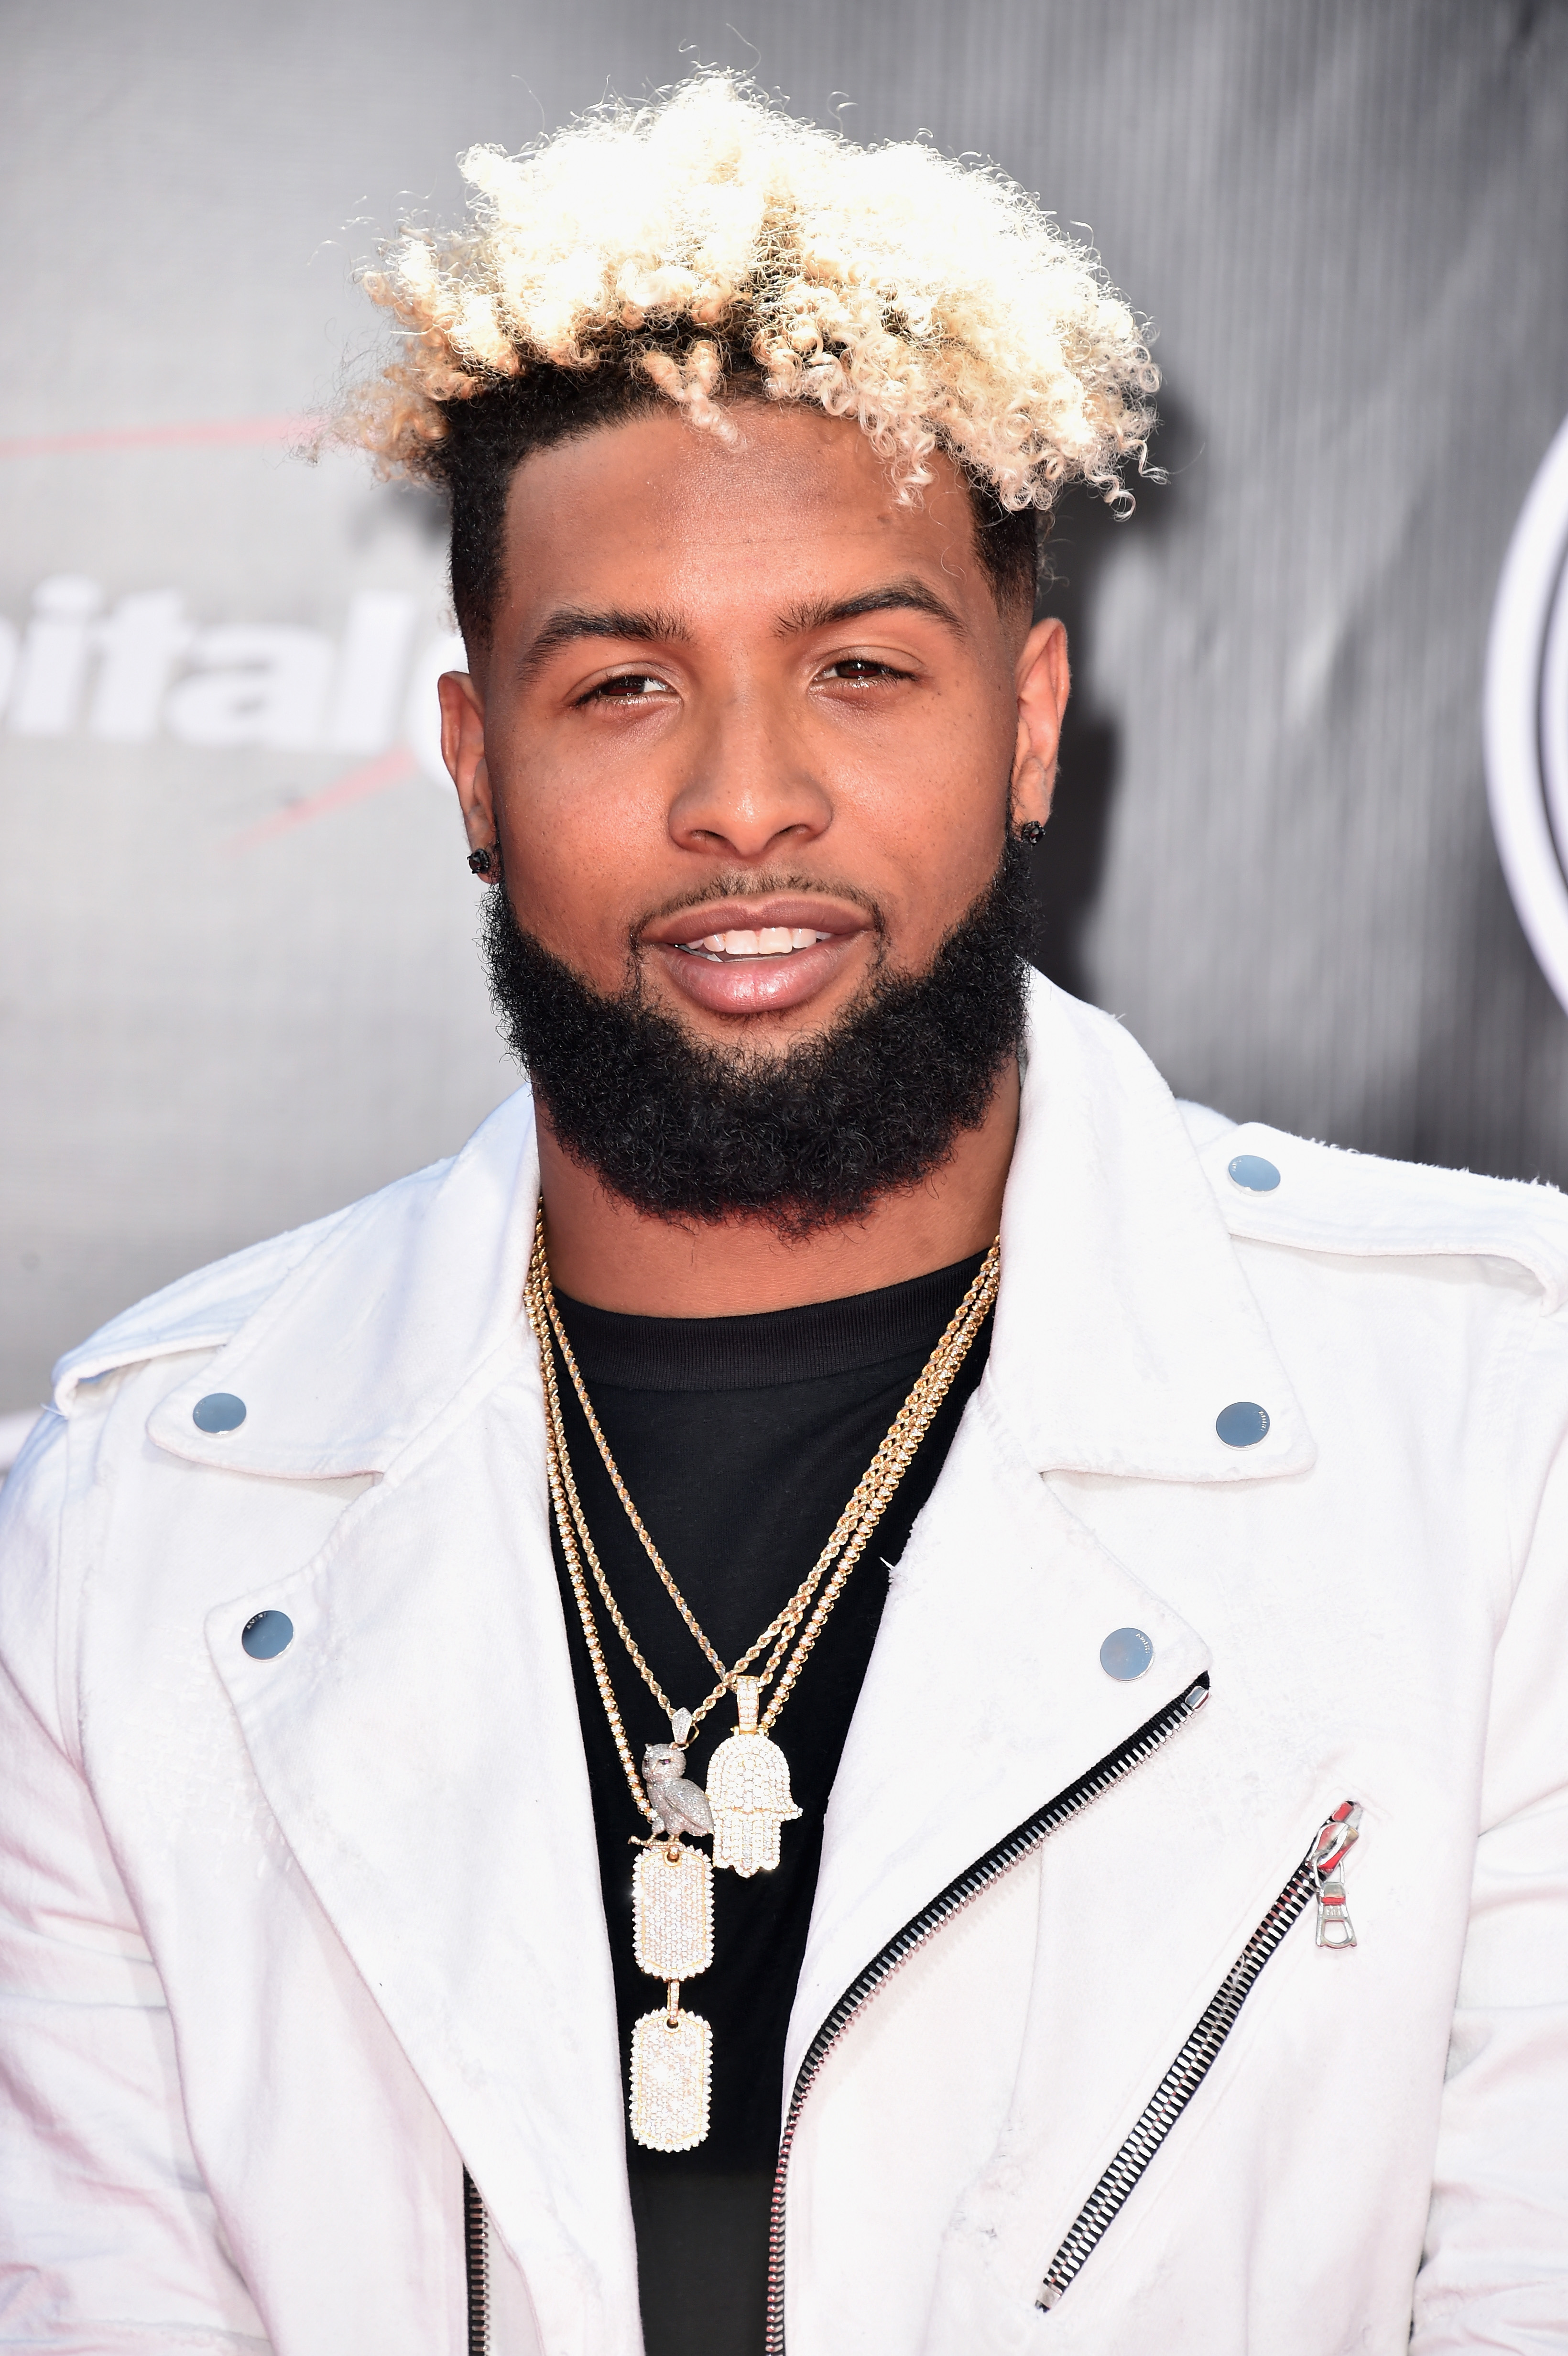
(748, 1794)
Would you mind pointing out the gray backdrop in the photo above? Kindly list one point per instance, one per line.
(237, 985)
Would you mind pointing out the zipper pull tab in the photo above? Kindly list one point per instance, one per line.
(1333, 1845)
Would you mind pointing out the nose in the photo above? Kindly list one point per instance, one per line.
(750, 792)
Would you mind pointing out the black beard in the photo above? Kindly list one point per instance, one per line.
(814, 1134)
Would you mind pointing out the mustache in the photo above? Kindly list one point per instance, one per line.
(771, 884)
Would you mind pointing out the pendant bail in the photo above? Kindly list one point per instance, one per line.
(748, 1691)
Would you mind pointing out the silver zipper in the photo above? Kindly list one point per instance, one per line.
(1319, 1877)
(1018, 1846)
(1333, 1845)
(476, 2250)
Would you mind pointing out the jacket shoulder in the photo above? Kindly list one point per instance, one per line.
(206, 1309)
(1274, 1188)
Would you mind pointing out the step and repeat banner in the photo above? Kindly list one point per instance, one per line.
(1312, 824)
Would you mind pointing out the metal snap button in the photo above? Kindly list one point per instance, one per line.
(1250, 1170)
(1126, 1654)
(267, 1635)
(219, 1411)
(1241, 1424)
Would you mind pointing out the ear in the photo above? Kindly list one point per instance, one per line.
(462, 750)
(1042, 683)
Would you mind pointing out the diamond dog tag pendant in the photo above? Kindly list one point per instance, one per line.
(672, 2059)
(672, 1911)
(748, 1791)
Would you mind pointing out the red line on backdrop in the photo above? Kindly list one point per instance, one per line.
(357, 786)
(213, 432)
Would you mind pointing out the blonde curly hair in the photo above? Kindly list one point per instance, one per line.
(707, 233)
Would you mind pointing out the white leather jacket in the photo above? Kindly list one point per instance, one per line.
(286, 1941)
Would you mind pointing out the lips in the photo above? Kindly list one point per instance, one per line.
(761, 957)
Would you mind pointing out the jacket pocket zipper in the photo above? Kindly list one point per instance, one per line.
(1320, 1876)
(1018, 1846)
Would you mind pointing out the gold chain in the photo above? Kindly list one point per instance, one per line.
(873, 1494)
(590, 1629)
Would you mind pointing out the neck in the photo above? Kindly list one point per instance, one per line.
(604, 1251)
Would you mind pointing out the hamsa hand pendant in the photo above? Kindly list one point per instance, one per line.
(748, 1792)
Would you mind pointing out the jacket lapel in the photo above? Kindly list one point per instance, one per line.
(418, 1743)
(1124, 1324)
(418, 1740)
(985, 1699)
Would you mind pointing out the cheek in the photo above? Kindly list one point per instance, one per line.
(579, 849)
(950, 764)
(939, 814)
(578, 899)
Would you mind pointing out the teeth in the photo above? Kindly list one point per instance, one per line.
(771, 940)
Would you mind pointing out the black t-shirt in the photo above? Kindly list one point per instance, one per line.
(740, 1441)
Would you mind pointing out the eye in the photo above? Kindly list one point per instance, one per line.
(627, 687)
(858, 668)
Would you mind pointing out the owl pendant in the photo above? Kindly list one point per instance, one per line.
(748, 1792)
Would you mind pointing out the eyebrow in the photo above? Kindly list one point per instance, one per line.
(570, 624)
(906, 595)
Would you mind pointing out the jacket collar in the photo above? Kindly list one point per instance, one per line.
(1124, 1325)
(1124, 1322)
(364, 1343)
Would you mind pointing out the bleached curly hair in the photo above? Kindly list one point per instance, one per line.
(707, 245)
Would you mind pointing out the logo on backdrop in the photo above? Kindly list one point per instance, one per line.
(143, 668)
(1527, 715)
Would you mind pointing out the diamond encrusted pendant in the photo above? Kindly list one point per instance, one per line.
(672, 2051)
(748, 1791)
(672, 1911)
(672, 2062)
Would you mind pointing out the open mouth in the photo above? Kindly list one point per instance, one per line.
(766, 941)
(768, 955)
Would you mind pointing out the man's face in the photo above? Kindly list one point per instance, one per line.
(747, 729)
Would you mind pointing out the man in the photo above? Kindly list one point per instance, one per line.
(650, 1688)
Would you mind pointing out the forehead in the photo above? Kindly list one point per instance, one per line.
(799, 504)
